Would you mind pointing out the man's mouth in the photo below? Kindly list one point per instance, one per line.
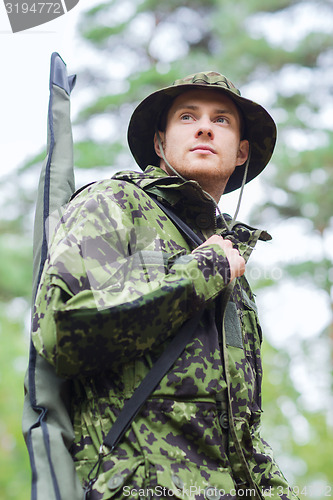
(203, 149)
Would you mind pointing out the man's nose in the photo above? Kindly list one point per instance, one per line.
(204, 129)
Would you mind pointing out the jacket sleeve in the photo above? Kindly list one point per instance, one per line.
(108, 295)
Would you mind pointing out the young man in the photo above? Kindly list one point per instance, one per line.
(120, 281)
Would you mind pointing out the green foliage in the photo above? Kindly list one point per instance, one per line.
(15, 267)
(89, 154)
(294, 430)
(306, 178)
(14, 463)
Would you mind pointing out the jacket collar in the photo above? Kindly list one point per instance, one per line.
(170, 187)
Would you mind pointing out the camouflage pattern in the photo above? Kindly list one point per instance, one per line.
(260, 128)
(119, 281)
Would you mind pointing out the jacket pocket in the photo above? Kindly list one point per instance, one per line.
(250, 322)
(118, 480)
(232, 326)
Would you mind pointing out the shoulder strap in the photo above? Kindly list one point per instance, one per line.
(178, 222)
(164, 362)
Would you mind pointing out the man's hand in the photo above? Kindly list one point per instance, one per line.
(236, 262)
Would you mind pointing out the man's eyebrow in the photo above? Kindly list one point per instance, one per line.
(193, 107)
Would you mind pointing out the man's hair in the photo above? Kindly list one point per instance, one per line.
(163, 117)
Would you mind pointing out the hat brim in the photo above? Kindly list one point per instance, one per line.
(259, 126)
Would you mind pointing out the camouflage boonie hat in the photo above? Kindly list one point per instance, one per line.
(260, 128)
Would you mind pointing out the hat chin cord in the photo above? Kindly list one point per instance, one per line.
(246, 168)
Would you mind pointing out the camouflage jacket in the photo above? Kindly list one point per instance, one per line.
(119, 282)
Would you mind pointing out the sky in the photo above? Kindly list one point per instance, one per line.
(25, 61)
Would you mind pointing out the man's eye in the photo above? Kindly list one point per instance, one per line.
(221, 119)
(186, 117)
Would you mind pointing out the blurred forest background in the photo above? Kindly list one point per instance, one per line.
(279, 52)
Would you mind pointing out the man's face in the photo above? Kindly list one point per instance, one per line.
(202, 139)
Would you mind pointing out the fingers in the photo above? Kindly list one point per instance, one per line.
(236, 261)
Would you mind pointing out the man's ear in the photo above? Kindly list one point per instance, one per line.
(243, 152)
(156, 144)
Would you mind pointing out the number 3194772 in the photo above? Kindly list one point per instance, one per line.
(35, 8)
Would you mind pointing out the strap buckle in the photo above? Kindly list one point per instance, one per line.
(93, 474)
